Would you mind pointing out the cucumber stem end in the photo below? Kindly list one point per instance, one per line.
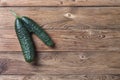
(14, 14)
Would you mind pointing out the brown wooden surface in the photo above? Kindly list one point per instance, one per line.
(59, 2)
(60, 77)
(87, 40)
(96, 31)
(61, 63)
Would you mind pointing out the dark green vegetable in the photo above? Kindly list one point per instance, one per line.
(33, 27)
(23, 27)
(25, 40)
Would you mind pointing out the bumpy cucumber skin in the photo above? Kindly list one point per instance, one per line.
(33, 27)
(25, 40)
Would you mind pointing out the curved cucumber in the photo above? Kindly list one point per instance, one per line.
(25, 40)
(33, 27)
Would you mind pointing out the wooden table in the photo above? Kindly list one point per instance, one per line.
(86, 33)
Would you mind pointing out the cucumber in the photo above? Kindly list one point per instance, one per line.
(33, 27)
(25, 39)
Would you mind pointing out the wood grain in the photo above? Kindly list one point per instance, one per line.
(61, 63)
(80, 40)
(77, 32)
(60, 77)
(53, 18)
(87, 40)
(59, 2)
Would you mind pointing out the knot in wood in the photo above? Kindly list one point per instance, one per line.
(3, 65)
(69, 15)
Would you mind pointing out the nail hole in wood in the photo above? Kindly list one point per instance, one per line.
(82, 57)
(73, 0)
(61, 2)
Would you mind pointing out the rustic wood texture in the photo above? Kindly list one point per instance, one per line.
(60, 77)
(80, 30)
(61, 63)
(59, 2)
(86, 33)
(77, 18)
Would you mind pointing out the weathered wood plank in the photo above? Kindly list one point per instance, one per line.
(61, 63)
(53, 18)
(80, 40)
(77, 32)
(59, 3)
(59, 77)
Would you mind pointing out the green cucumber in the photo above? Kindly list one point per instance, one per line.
(33, 27)
(25, 40)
